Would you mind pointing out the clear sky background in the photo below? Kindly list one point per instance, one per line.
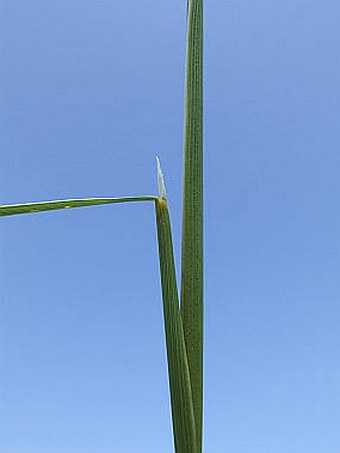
(91, 91)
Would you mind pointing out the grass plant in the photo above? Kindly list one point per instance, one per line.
(183, 317)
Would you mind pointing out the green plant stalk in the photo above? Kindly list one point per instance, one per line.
(192, 228)
(178, 370)
(183, 323)
(30, 208)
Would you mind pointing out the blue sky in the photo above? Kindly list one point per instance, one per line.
(91, 91)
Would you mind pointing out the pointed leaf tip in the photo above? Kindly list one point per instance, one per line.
(160, 179)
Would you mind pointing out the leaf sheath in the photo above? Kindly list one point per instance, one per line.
(178, 370)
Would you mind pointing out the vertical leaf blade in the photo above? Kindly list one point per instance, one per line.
(192, 232)
(178, 370)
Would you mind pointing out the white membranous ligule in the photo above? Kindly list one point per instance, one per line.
(160, 179)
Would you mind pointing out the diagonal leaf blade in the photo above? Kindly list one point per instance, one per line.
(29, 208)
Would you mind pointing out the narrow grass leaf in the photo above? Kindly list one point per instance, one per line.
(28, 208)
(192, 233)
(178, 370)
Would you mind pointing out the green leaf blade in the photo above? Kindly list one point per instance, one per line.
(192, 228)
(42, 206)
